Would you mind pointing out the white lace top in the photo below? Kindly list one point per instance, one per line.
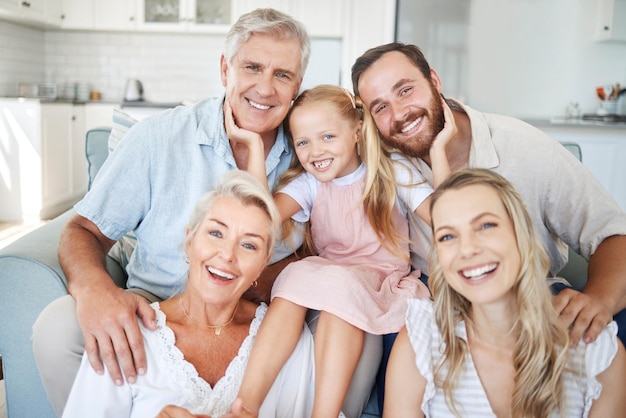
(172, 380)
(581, 386)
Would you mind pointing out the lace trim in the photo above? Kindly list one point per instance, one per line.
(201, 397)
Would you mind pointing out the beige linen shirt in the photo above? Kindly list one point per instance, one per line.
(566, 202)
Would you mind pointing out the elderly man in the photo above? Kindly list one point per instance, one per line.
(149, 185)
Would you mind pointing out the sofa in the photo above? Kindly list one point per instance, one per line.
(31, 278)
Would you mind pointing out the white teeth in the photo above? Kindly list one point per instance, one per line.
(321, 164)
(220, 273)
(411, 126)
(480, 271)
(258, 105)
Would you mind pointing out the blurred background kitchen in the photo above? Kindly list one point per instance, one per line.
(544, 61)
(527, 58)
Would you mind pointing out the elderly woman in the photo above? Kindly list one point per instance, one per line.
(491, 344)
(198, 354)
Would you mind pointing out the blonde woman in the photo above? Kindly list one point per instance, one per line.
(199, 351)
(491, 343)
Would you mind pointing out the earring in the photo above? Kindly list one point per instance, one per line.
(187, 259)
(255, 284)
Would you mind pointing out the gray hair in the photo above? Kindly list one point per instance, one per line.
(248, 190)
(270, 22)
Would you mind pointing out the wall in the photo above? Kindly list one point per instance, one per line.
(22, 57)
(172, 67)
(526, 58)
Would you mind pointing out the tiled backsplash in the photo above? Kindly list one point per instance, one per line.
(22, 57)
(172, 67)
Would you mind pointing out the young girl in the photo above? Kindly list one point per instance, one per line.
(356, 196)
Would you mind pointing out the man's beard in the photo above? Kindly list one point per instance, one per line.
(418, 146)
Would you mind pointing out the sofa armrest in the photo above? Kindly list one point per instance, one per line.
(30, 278)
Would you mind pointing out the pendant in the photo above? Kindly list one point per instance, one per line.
(218, 330)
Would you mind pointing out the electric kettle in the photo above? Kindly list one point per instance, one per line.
(134, 91)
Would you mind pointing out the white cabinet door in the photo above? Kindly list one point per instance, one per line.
(9, 6)
(78, 14)
(211, 16)
(20, 188)
(44, 147)
(99, 115)
(56, 156)
(611, 20)
(54, 12)
(162, 15)
(79, 177)
(323, 18)
(115, 14)
(31, 11)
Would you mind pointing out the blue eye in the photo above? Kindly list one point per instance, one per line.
(301, 143)
(445, 237)
(215, 233)
(249, 246)
(488, 225)
(328, 137)
(405, 91)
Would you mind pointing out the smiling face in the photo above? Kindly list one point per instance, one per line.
(228, 251)
(476, 244)
(261, 81)
(406, 106)
(324, 140)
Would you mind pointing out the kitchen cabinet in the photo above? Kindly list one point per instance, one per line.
(28, 11)
(54, 13)
(214, 16)
(322, 18)
(115, 14)
(46, 171)
(77, 14)
(99, 115)
(611, 20)
(603, 152)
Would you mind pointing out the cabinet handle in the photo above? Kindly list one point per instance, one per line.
(607, 27)
(73, 118)
(25, 4)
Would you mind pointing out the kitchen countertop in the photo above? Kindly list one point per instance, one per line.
(44, 100)
(146, 103)
(575, 123)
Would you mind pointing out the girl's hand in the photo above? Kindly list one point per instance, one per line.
(172, 411)
(238, 410)
(237, 134)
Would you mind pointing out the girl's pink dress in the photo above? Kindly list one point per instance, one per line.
(354, 277)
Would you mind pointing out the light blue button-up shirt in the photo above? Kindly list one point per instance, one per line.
(152, 180)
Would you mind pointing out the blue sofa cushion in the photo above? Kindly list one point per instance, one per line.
(96, 150)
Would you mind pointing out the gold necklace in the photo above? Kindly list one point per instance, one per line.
(217, 328)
